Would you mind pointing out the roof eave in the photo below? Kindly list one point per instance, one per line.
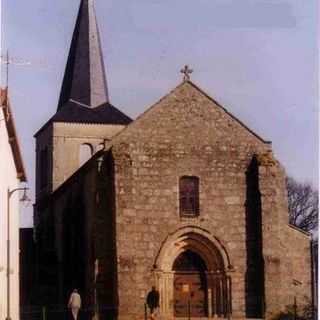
(13, 137)
(226, 111)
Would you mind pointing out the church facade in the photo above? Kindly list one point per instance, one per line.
(185, 199)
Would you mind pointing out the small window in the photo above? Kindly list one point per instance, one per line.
(189, 196)
(44, 167)
(86, 152)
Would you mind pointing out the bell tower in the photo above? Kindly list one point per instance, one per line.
(85, 120)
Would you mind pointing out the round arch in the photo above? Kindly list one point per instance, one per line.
(196, 239)
(216, 259)
(85, 153)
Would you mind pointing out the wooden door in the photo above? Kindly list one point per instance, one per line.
(190, 292)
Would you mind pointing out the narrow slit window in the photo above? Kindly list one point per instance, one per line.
(189, 196)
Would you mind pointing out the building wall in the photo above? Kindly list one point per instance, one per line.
(299, 251)
(27, 264)
(315, 270)
(80, 219)
(44, 140)
(286, 249)
(63, 141)
(274, 225)
(74, 210)
(70, 136)
(65, 239)
(123, 210)
(184, 134)
(8, 180)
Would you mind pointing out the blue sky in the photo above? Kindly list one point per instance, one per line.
(258, 58)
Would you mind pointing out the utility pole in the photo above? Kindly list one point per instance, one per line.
(7, 61)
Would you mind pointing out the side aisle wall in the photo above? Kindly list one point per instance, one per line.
(298, 247)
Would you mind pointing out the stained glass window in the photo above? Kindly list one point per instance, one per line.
(189, 196)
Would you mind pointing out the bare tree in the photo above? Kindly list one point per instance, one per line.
(303, 205)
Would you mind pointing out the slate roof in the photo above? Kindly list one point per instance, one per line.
(104, 114)
(84, 78)
(75, 113)
(84, 92)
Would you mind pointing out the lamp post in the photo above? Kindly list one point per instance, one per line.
(23, 199)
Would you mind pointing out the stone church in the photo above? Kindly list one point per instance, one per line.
(185, 198)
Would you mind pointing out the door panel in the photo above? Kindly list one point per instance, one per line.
(190, 288)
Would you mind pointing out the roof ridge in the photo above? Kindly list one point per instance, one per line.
(226, 111)
(202, 92)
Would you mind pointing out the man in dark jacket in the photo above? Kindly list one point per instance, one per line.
(153, 301)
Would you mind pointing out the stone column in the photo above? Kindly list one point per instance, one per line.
(221, 296)
(274, 213)
(209, 304)
(165, 285)
(214, 296)
(170, 297)
(229, 296)
(209, 293)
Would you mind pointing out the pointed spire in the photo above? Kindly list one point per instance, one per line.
(84, 80)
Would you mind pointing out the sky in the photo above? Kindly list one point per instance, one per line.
(258, 58)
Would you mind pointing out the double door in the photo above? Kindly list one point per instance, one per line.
(190, 294)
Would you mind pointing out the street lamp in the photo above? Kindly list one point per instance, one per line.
(23, 199)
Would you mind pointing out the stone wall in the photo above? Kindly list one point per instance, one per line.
(104, 238)
(274, 225)
(65, 239)
(298, 247)
(122, 210)
(44, 139)
(67, 139)
(74, 208)
(186, 133)
(286, 249)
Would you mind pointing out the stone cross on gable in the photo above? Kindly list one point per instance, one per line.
(186, 71)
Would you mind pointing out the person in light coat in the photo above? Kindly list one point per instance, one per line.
(75, 303)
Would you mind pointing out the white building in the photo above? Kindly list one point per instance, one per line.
(12, 174)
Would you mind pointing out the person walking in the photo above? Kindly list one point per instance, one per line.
(153, 302)
(75, 303)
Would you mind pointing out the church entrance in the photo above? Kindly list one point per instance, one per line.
(190, 285)
(192, 274)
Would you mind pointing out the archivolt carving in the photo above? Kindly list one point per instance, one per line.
(195, 239)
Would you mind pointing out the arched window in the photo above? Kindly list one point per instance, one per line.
(189, 196)
(85, 153)
(99, 147)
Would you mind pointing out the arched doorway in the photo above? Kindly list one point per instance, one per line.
(192, 261)
(190, 285)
